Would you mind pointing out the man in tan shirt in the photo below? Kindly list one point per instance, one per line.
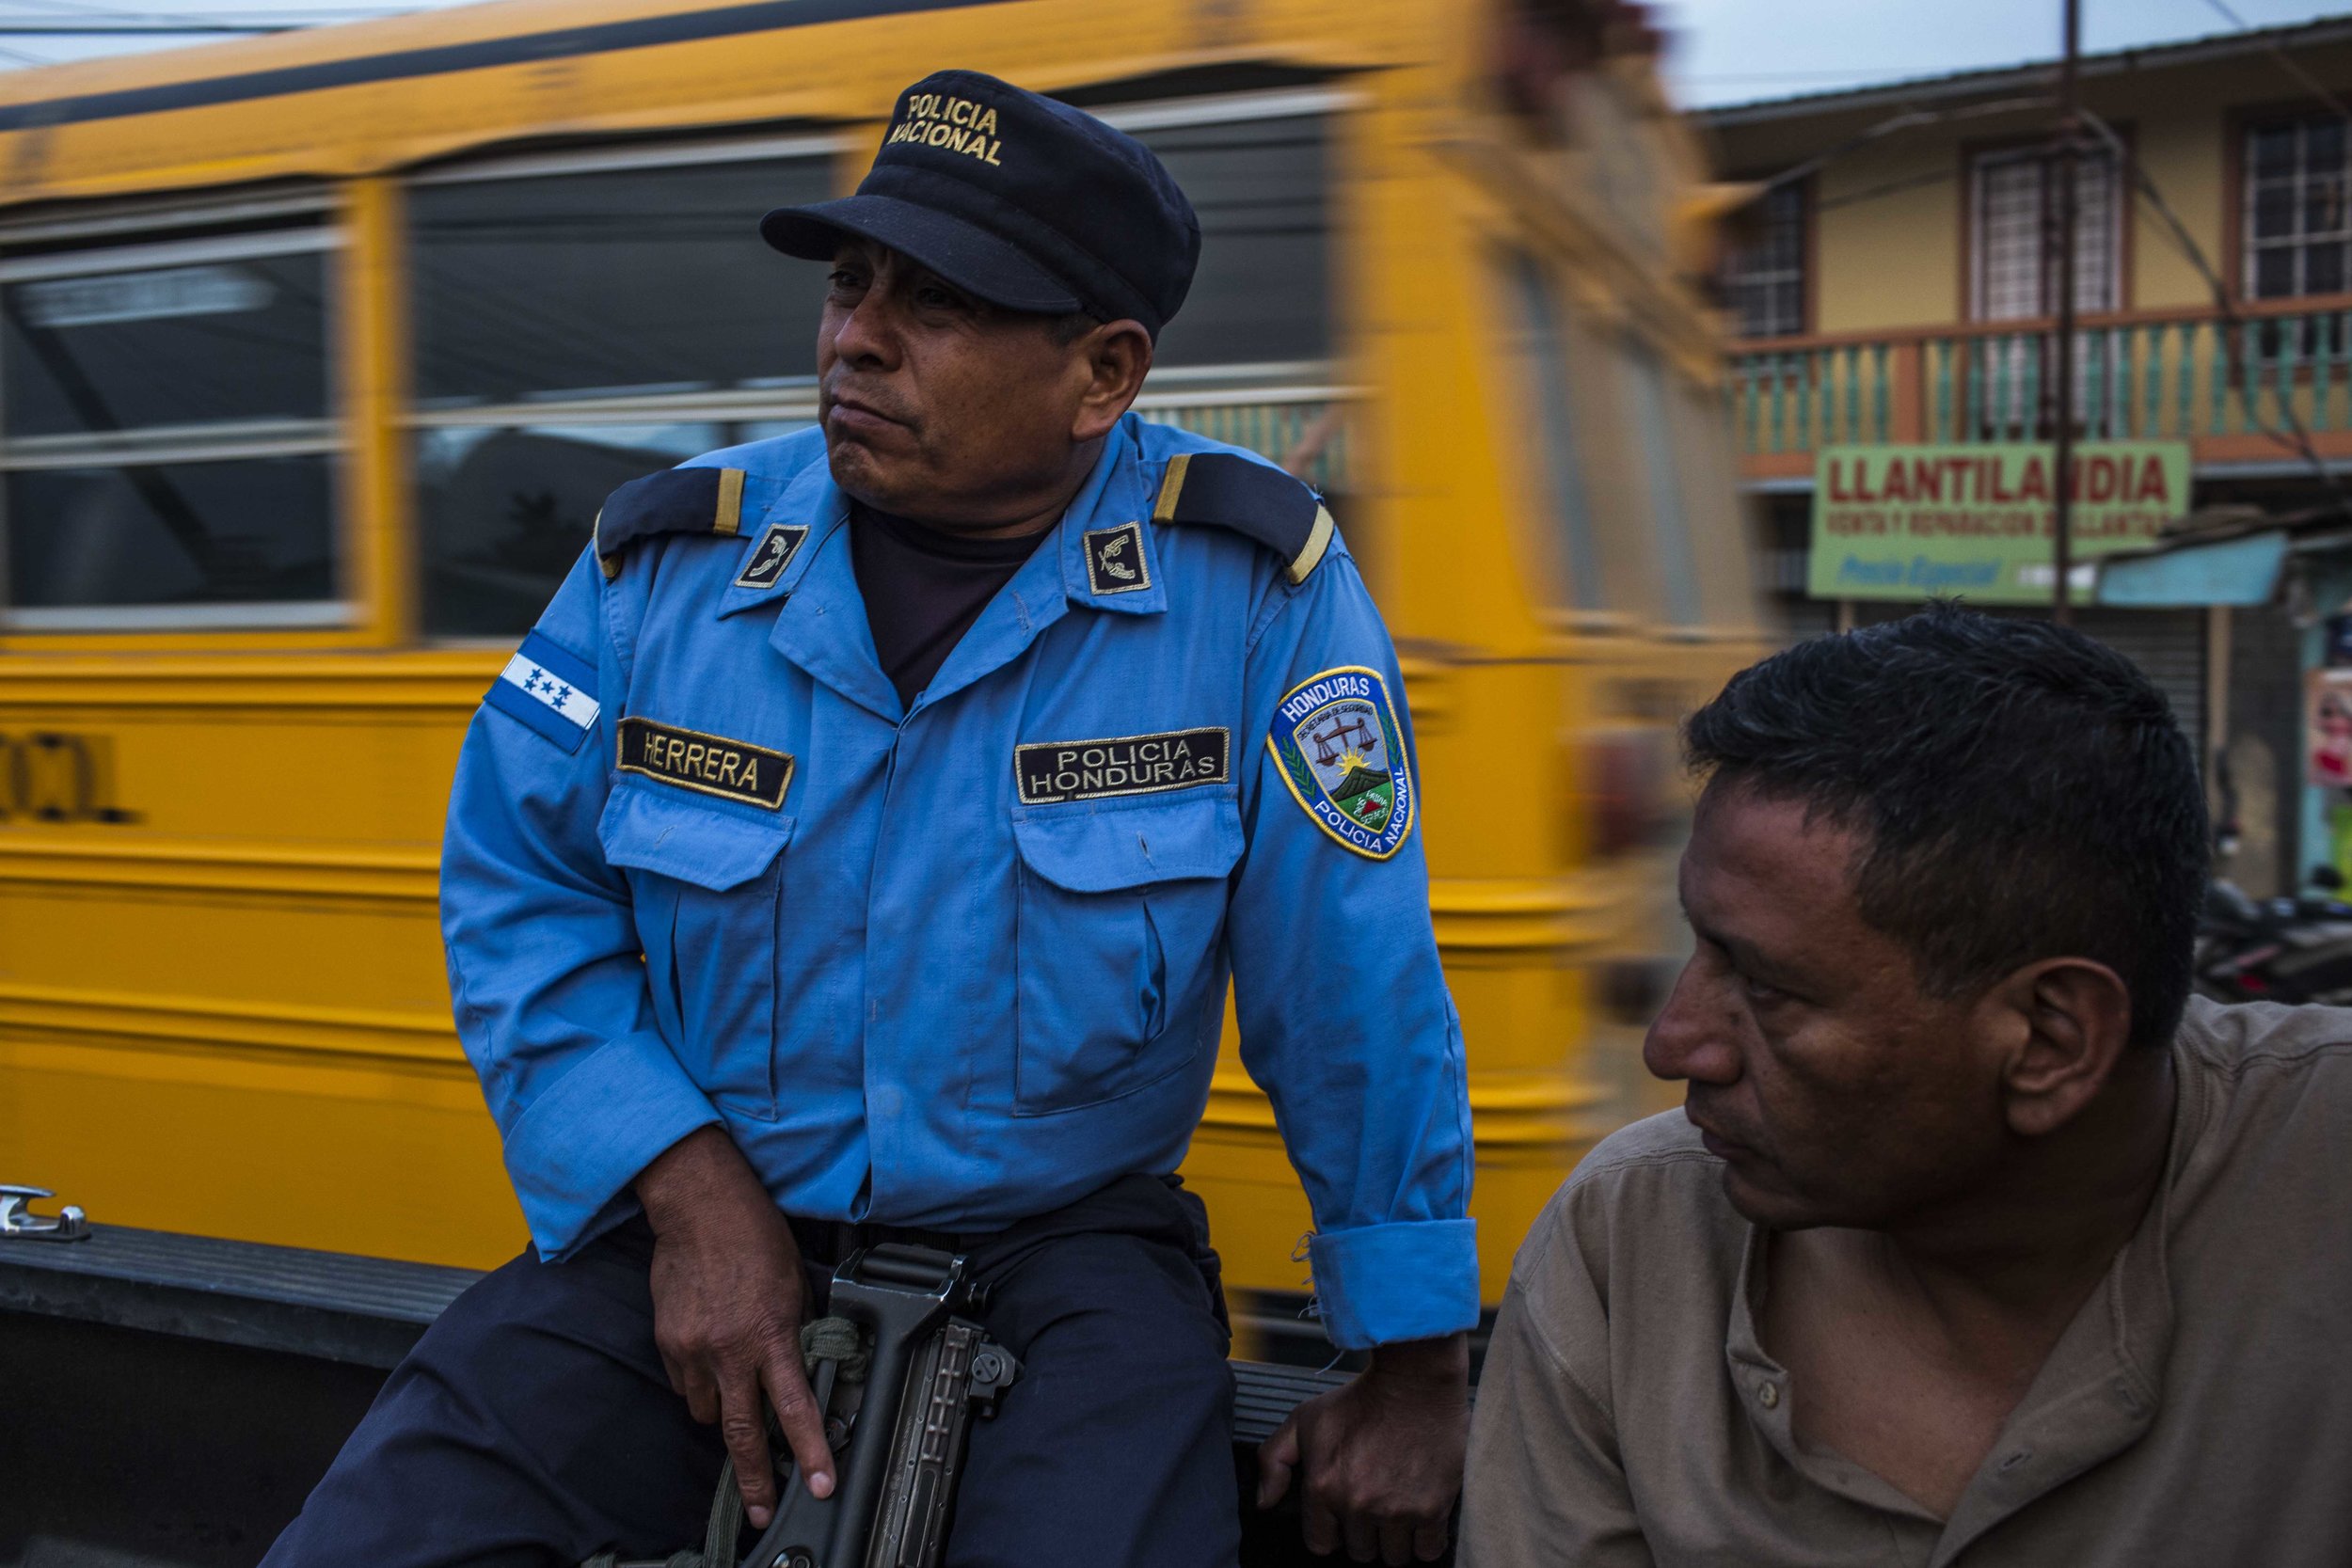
(1974, 1243)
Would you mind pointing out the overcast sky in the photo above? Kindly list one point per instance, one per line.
(1729, 50)
(1724, 50)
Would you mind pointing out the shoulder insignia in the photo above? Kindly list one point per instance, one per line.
(1224, 490)
(1342, 755)
(676, 501)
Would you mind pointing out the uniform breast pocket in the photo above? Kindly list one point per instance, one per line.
(1120, 911)
(709, 903)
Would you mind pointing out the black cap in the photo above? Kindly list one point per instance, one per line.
(1018, 199)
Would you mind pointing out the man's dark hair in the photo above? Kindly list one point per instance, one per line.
(2022, 792)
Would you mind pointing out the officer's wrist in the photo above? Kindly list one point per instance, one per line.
(690, 1178)
(1444, 1361)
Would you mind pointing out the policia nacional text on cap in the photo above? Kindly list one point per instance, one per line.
(860, 848)
(1022, 201)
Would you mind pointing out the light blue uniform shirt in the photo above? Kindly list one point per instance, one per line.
(702, 866)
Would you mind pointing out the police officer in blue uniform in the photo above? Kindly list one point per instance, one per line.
(860, 847)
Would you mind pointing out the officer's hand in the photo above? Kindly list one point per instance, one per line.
(726, 1310)
(1382, 1456)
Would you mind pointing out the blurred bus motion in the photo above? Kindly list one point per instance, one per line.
(318, 353)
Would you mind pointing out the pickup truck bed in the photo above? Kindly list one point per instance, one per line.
(170, 1399)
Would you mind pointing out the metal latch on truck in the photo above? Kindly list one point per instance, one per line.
(17, 1223)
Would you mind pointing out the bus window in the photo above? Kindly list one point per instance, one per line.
(1726, 565)
(505, 509)
(1542, 353)
(1248, 359)
(166, 447)
(1263, 293)
(1669, 519)
(635, 285)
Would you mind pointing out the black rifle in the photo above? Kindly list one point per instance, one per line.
(897, 1374)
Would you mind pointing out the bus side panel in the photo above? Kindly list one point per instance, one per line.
(222, 1004)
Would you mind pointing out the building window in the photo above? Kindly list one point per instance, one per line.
(2012, 213)
(1765, 279)
(2298, 237)
(2013, 275)
(167, 454)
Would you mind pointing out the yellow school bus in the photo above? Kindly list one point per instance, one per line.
(318, 353)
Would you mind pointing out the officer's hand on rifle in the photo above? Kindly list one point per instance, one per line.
(1382, 1456)
(726, 1310)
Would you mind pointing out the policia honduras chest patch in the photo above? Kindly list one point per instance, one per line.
(1050, 772)
(1342, 755)
(732, 769)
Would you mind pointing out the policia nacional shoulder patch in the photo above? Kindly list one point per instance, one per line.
(774, 552)
(734, 769)
(1115, 562)
(1342, 755)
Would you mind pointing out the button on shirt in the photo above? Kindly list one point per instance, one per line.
(728, 877)
(2197, 1410)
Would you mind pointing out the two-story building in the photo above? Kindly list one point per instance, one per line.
(1893, 378)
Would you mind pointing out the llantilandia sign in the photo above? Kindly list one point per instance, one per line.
(1975, 521)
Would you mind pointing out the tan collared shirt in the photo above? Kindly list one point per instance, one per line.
(2197, 1411)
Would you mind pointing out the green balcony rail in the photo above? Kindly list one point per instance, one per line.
(1306, 435)
(2191, 379)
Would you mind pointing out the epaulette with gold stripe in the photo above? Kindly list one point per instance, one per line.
(676, 501)
(1222, 490)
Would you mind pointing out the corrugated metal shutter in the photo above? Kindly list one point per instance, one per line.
(1802, 618)
(2170, 646)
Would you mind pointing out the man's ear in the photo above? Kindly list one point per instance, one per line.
(1117, 358)
(2071, 1022)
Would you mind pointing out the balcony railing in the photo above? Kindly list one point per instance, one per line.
(2235, 390)
(1294, 414)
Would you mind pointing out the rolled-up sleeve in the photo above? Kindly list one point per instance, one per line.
(1344, 1018)
(545, 966)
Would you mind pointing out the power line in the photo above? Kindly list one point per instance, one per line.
(2294, 67)
(82, 20)
(1909, 119)
(1898, 71)
(2295, 438)
(1891, 187)
(143, 29)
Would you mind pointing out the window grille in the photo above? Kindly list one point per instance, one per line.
(1765, 279)
(2013, 212)
(2298, 231)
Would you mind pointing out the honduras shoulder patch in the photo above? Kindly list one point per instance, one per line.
(1342, 755)
(550, 690)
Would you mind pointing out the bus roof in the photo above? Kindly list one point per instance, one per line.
(391, 93)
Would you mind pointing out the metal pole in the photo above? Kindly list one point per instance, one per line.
(2062, 381)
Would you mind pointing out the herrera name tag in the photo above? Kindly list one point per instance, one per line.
(710, 763)
(1052, 771)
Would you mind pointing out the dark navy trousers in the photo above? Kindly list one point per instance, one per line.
(533, 1425)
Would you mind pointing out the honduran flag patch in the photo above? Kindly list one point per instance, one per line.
(549, 690)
